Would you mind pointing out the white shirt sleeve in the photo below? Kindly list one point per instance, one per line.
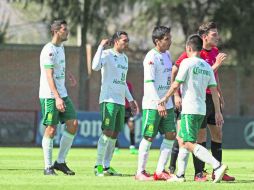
(183, 71)
(48, 59)
(149, 77)
(212, 82)
(99, 59)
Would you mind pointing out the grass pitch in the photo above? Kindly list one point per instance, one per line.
(22, 168)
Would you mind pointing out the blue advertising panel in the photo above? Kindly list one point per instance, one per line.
(90, 130)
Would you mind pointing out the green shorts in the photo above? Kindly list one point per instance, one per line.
(152, 122)
(51, 115)
(190, 125)
(112, 116)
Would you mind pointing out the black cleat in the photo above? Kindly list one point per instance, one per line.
(63, 168)
(49, 171)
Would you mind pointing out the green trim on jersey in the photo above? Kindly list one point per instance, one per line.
(112, 116)
(190, 125)
(152, 122)
(48, 66)
(180, 81)
(156, 50)
(147, 81)
(212, 85)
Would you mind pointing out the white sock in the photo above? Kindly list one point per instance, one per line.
(143, 153)
(182, 161)
(202, 154)
(165, 151)
(65, 145)
(109, 152)
(47, 146)
(101, 149)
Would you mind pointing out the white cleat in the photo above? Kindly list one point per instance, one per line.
(219, 173)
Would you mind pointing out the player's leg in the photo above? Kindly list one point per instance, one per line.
(175, 148)
(199, 165)
(167, 127)
(50, 119)
(108, 115)
(131, 126)
(150, 121)
(119, 124)
(216, 138)
(70, 119)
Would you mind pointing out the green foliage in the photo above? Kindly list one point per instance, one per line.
(4, 23)
(235, 18)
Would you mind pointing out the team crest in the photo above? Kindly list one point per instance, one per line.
(107, 121)
(150, 128)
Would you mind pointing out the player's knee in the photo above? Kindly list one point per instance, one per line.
(50, 131)
(72, 127)
(170, 136)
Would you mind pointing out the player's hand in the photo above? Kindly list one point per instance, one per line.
(178, 102)
(220, 58)
(162, 110)
(105, 42)
(60, 104)
(163, 101)
(133, 107)
(219, 119)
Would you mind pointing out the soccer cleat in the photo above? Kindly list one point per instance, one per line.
(219, 173)
(98, 171)
(133, 150)
(164, 175)
(175, 178)
(143, 176)
(63, 168)
(49, 171)
(225, 177)
(111, 172)
(200, 177)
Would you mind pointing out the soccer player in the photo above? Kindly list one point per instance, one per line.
(209, 33)
(55, 104)
(157, 70)
(129, 119)
(113, 64)
(195, 75)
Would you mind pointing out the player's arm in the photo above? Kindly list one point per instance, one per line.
(72, 79)
(59, 101)
(97, 60)
(173, 88)
(177, 97)
(222, 102)
(130, 100)
(216, 101)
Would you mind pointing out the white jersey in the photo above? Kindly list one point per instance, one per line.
(157, 77)
(195, 75)
(114, 67)
(52, 57)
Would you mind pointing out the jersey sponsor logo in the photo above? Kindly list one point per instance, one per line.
(115, 81)
(162, 87)
(198, 70)
(122, 67)
(161, 60)
(166, 70)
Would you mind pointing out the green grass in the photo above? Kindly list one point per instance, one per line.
(21, 168)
